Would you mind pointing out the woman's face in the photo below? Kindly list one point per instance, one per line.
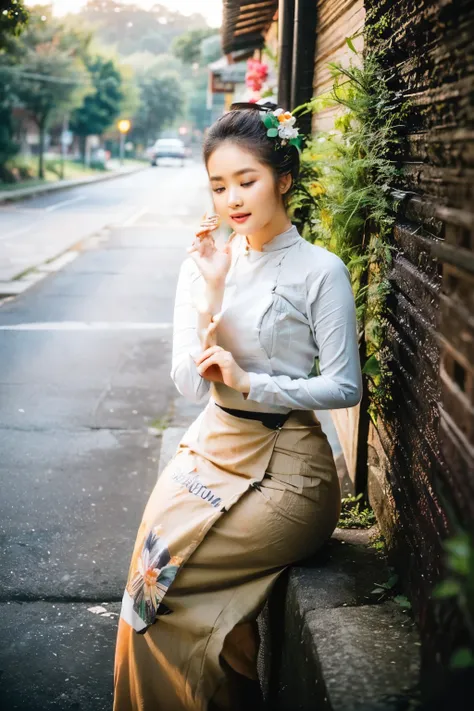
(245, 192)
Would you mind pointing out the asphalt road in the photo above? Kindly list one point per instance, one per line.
(84, 389)
(43, 227)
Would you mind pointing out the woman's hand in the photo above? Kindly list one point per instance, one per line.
(217, 365)
(213, 263)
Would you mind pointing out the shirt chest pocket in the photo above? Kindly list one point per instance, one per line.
(281, 323)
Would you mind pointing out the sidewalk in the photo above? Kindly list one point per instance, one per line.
(40, 236)
(7, 196)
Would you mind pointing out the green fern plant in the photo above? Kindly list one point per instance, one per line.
(343, 199)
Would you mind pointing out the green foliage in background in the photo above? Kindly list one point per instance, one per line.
(459, 587)
(130, 28)
(188, 46)
(13, 18)
(51, 78)
(161, 104)
(87, 70)
(343, 199)
(100, 108)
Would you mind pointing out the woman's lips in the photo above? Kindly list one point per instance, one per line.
(240, 218)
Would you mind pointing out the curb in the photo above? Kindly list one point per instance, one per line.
(25, 193)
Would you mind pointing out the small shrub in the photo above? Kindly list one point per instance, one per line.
(354, 514)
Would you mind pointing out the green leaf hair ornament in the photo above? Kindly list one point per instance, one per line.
(280, 124)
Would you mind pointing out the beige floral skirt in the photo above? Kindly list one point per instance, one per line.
(233, 508)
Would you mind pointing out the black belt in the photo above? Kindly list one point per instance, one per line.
(272, 420)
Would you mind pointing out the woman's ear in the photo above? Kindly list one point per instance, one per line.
(284, 183)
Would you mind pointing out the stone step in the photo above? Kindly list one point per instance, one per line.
(327, 645)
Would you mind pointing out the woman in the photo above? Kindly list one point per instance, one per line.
(253, 486)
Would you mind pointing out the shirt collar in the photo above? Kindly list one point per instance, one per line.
(281, 241)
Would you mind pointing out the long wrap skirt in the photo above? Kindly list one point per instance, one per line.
(236, 505)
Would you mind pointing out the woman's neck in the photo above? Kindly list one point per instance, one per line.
(279, 224)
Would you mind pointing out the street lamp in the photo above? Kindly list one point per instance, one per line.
(123, 126)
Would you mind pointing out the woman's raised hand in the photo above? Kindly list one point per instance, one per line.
(213, 262)
(217, 365)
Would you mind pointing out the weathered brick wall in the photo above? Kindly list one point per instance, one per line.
(421, 457)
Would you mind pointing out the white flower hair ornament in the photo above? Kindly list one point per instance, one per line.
(280, 124)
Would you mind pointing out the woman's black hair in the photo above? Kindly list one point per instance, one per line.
(243, 126)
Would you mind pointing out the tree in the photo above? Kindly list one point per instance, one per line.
(188, 45)
(131, 28)
(162, 101)
(13, 17)
(211, 49)
(102, 107)
(197, 110)
(51, 79)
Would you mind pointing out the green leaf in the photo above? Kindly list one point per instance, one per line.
(462, 659)
(392, 581)
(403, 601)
(458, 549)
(270, 121)
(371, 366)
(272, 132)
(296, 142)
(458, 545)
(447, 588)
(350, 44)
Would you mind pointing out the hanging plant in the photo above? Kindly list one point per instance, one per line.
(257, 73)
(343, 199)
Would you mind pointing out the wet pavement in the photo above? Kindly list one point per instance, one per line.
(84, 391)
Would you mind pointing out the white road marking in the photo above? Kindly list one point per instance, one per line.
(87, 326)
(57, 205)
(136, 216)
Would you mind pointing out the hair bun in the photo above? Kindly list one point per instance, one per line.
(244, 125)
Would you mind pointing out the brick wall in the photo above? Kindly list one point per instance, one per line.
(421, 458)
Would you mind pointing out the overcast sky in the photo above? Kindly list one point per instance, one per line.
(210, 9)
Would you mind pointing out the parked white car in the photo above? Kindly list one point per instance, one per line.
(167, 148)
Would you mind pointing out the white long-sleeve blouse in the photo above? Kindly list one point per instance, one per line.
(282, 308)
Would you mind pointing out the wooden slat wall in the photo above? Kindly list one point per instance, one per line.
(422, 455)
(337, 19)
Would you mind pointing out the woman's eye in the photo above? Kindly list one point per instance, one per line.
(247, 185)
(218, 190)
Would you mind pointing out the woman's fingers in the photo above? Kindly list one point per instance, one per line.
(211, 360)
(207, 353)
(208, 224)
(204, 246)
(205, 229)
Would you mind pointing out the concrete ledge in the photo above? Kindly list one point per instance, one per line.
(327, 646)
